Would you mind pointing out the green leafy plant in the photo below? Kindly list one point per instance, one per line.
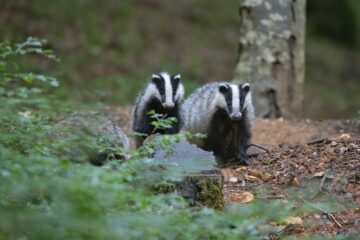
(161, 121)
(44, 195)
(10, 72)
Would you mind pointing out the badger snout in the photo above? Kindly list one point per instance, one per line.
(236, 116)
(169, 105)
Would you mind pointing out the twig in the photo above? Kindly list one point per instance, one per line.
(271, 197)
(329, 215)
(258, 146)
(290, 229)
(334, 219)
(321, 140)
(326, 176)
(322, 182)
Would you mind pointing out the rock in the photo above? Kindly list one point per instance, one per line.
(193, 172)
(333, 143)
(353, 146)
(343, 150)
(87, 136)
(254, 151)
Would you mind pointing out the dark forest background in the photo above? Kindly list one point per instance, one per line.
(108, 49)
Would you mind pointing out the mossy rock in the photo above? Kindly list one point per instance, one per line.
(203, 189)
(194, 174)
(87, 136)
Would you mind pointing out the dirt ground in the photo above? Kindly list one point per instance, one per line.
(310, 162)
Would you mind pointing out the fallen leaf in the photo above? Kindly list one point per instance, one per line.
(233, 180)
(250, 177)
(255, 173)
(266, 177)
(345, 136)
(246, 197)
(295, 181)
(293, 220)
(319, 174)
(239, 169)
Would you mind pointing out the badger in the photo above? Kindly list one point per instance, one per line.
(224, 113)
(164, 94)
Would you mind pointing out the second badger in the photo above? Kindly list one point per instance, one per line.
(224, 112)
(163, 94)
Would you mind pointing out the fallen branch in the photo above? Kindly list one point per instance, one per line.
(271, 197)
(321, 140)
(258, 146)
(329, 215)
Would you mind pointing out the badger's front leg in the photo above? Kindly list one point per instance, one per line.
(243, 142)
(242, 156)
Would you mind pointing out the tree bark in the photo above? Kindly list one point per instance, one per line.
(271, 55)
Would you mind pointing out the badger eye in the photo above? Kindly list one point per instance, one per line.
(223, 88)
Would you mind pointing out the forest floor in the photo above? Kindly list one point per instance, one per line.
(310, 162)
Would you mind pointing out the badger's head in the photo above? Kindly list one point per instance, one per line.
(168, 89)
(234, 99)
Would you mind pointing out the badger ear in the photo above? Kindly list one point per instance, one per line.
(223, 88)
(177, 77)
(155, 78)
(246, 87)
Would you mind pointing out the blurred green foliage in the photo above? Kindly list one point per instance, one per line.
(110, 48)
(332, 59)
(46, 196)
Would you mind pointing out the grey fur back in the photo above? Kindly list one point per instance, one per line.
(199, 107)
(138, 108)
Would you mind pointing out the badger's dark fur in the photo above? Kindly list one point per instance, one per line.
(224, 112)
(163, 94)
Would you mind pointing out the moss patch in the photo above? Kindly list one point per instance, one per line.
(210, 193)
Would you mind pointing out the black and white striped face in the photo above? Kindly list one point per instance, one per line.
(169, 88)
(235, 97)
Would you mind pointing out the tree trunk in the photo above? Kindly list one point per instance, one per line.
(271, 55)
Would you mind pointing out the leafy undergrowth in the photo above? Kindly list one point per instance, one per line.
(45, 195)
